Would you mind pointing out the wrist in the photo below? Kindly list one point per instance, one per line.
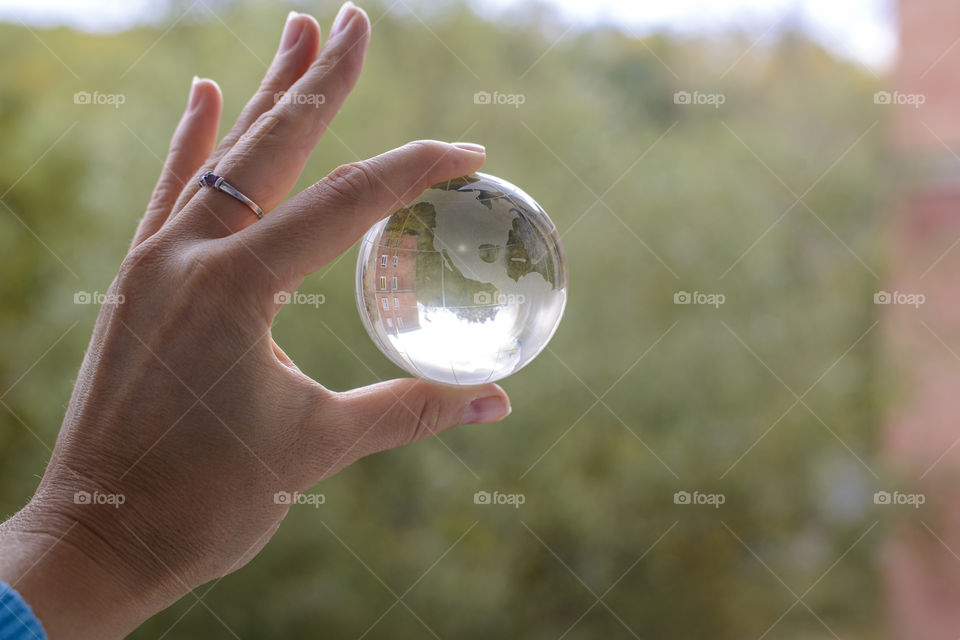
(75, 580)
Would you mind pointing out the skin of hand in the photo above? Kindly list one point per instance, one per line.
(185, 409)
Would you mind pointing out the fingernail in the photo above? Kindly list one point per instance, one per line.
(343, 17)
(195, 95)
(470, 146)
(489, 409)
(291, 32)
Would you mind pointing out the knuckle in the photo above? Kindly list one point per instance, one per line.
(266, 93)
(269, 120)
(330, 443)
(137, 271)
(225, 145)
(166, 193)
(179, 147)
(141, 261)
(422, 416)
(203, 269)
(268, 125)
(423, 157)
(424, 150)
(349, 181)
(333, 72)
(273, 131)
(220, 272)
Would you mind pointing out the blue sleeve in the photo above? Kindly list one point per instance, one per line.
(17, 621)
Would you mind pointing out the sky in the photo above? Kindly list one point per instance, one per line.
(861, 30)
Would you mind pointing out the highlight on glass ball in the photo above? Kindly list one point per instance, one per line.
(466, 284)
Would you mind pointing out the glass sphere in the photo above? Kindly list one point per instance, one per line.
(466, 284)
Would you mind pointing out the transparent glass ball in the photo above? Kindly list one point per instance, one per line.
(466, 284)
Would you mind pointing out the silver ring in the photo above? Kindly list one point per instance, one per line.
(210, 179)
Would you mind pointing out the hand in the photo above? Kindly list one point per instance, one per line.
(184, 402)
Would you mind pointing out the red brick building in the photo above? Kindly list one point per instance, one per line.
(396, 274)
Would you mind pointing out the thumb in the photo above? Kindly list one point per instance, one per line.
(397, 412)
(325, 219)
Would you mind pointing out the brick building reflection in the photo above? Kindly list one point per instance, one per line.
(396, 275)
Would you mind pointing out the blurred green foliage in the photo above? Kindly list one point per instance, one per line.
(652, 198)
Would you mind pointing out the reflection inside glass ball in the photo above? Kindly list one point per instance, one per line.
(466, 284)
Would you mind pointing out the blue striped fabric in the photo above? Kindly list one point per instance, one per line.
(17, 621)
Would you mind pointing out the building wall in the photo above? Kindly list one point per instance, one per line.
(396, 274)
(929, 65)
